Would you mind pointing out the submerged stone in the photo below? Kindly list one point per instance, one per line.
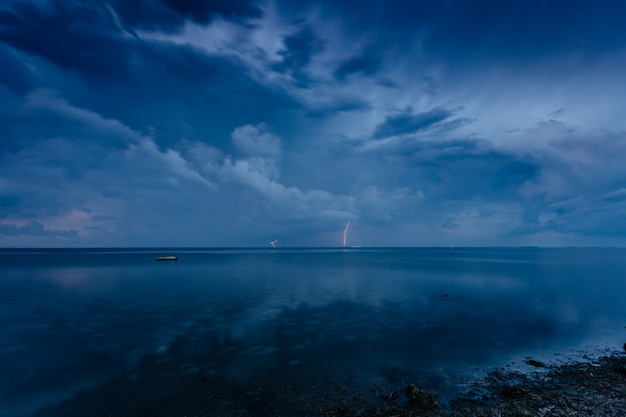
(533, 362)
(421, 398)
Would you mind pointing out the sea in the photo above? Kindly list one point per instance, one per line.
(287, 331)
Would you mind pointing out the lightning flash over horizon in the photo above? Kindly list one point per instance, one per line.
(345, 234)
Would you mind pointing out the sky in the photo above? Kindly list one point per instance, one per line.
(243, 122)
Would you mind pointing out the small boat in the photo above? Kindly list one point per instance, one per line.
(167, 258)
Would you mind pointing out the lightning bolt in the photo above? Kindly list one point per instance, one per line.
(345, 234)
(273, 243)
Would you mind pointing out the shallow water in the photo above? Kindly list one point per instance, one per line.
(117, 330)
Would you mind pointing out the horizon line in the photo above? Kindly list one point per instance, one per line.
(317, 247)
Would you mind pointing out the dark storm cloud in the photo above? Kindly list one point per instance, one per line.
(299, 49)
(337, 106)
(121, 115)
(14, 74)
(9, 203)
(409, 122)
(598, 222)
(171, 15)
(156, 81)
(201, 11)
(88, 35)
(461, 29)
(467, 170)
(33, 228)
(459, 169)
(368, 63)
(86, 39)
(579, 188)
(71, 34)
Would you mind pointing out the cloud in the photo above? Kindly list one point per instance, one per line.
(368, 63)
(299, 49)
(258, 170)
(408, 122)
(33, 228)
(450, 224)
(256, 141)
(141, 82)
(462, 169)
(221, 122)
(83, 123)
(14, 73)
(66, 33)
(461, 32)
(615, 196)
(291, 203)
(175, 164)
(170, 15)
(569, 195)
(382, 206)
(202, 12)
(92, 165)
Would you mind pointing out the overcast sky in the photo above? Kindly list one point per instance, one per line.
(240, 122)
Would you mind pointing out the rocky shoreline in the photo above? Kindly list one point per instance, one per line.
(584, 387)
(591, 388)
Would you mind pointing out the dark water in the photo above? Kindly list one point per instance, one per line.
(246, 332)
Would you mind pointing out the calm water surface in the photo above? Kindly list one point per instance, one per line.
(115, 331)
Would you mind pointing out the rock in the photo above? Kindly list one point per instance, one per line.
(533, 362)
(624, 347)
(512, 392)
(421, 398)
